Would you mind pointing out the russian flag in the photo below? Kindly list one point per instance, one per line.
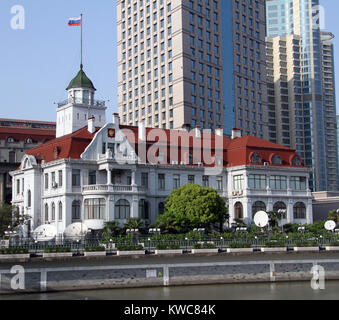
(73, 22)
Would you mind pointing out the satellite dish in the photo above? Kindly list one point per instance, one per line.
(76, 230)
(330, 225)
(45, 232)
(261, 219)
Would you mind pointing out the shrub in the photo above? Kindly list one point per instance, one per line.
(334, 244)
(240, 245)
(204, 245)
(13, 250)
(57, 249)
(129, 247)
(274, 244)
(165, 246)
(94, 248)
(305, 243)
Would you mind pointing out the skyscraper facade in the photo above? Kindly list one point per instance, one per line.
(329, 99)
(244, 66)
(200, 63)
(301, 18)
(170, 63)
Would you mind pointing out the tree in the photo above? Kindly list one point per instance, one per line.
(111, 229)
(133, 223)
(10, 217)
(334, 215)
(193, 206)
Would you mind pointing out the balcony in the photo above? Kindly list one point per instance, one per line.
(94, 103)
(101, 189)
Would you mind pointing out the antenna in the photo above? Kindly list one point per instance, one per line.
(330, 225)
(44, 233)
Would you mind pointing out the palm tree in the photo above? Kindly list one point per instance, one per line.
(133, 223)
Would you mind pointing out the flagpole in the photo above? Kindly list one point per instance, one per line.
(81, 41)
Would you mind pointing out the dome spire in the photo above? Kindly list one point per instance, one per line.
(81, 81)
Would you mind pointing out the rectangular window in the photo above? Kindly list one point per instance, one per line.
(205, 181)
(238, 182)
(257, 181)
(219, 181)
(46, 181)
(92, 177)
(18, 186)
(278, 182)
(144, 179)
(191, 179)
(176, 181)
(60, 178)
(76, 177)
(298, 183)
(161, 182)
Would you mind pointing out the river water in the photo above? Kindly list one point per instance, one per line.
(262, 291)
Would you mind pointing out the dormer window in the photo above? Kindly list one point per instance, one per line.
(296, 161)
(276, 159)
(29, 140)
(256, 158)
(10, 139)
(56, 152)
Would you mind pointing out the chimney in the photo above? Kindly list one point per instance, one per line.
(219, 132)
(197, 132)
(116, 119)
(236, 133)
(142, 131)
(91, 126)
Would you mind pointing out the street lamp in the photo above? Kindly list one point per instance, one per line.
(186, 241)
(149, 245)
(221, 243)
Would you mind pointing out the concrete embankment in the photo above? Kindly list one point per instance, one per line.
(41, 275)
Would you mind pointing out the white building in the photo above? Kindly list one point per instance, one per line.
(96, 171)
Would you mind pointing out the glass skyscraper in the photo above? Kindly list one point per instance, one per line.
(301, 18)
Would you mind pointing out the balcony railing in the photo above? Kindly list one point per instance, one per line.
(94, 103)
(109, 188)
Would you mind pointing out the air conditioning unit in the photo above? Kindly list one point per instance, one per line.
(266, 164)
(183, 163)
(200, 164)
(54, 185)
(175, 162)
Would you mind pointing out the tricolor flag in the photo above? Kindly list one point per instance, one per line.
(74, 22)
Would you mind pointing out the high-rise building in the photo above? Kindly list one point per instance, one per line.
(170, 63)
(329, 99)
(285, 110)
(301, 18)
(244, 66)
(177, 65)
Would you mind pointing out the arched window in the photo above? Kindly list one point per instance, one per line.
(256, 158)
(238, 211)
(10, 139)
(53, 212)
(280, 206)
(76, 210)
(95, 208)
(258, 206)
(46, 214)
(143, 209)
(29, 199)
(122, 209)
(60, 211)
(296, 161)
(276, 159)
(29, 140)
(161, 208)
(299, 211)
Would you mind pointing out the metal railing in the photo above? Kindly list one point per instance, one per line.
(94, 103)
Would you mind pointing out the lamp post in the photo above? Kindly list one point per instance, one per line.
(186, 241)
(149, 245)
(221, 243)
(287, 242)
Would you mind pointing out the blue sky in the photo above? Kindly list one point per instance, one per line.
(37, 63)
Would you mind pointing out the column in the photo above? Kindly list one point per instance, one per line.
(309, 212)
(290, 211)
(2, 188)
(109, 176)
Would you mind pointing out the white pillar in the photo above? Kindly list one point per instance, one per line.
(133, 178)
(290, 211)
(309, 212)
(109, 176)
(2, 188)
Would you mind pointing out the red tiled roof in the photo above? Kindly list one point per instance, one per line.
(22, 134)
(235, 152)
(68, 146)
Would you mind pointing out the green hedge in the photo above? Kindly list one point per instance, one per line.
(94, 248)
(305, 243)
(164, 246)
(13, 250)
(129, 247)
(272, 244)
(204, 245)
(238, 245)
(57, 249)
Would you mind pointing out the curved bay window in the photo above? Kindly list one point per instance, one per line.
(238, 211)
(299, 211)
(258, 206)
(280, 206)
(76, 210)
(122, 209)
(95, 208)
